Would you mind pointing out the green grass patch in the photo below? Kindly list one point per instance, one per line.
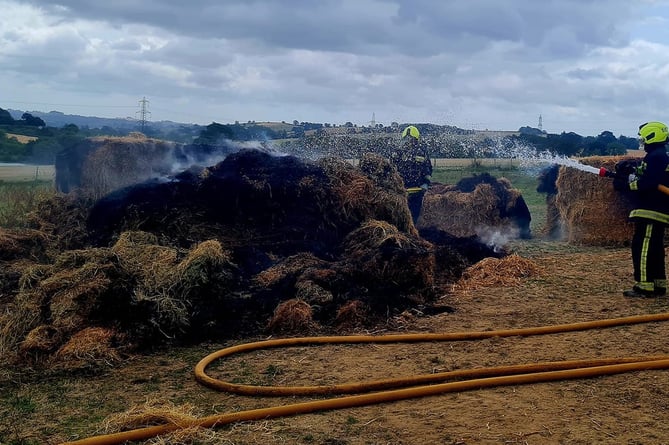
(18, 199)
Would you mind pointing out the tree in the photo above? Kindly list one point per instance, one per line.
(32, 121)
(5, 117)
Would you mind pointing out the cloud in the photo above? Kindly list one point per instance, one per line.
(585, 65)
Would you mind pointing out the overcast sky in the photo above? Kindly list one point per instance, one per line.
(584, 65)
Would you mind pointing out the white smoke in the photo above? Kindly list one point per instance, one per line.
(497, 238)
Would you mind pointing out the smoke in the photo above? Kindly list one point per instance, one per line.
(497, 238)
(181, 159)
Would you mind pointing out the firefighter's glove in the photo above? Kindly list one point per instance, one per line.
(424, 186)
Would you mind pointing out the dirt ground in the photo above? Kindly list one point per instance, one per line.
(577, 284)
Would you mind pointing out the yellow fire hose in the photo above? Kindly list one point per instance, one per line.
(478, 378)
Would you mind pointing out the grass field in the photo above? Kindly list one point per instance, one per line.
(24, 172)
(21, 187)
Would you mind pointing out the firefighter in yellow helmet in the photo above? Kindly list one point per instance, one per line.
(650, 213)
(413, 164)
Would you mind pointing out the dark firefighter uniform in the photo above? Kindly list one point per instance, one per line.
(414, 166)
(651, 213)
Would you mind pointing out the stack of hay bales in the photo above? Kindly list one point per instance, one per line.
(590, 212)
(474, 206)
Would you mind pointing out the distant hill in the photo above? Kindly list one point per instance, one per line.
(58, 120)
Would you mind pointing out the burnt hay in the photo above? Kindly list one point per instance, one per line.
(216, 252)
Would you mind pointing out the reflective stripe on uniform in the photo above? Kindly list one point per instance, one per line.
(650, 214)
(643, 261)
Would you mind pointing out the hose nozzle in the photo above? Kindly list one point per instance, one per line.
(604, 173)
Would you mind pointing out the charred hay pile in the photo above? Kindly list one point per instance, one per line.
(475, 206)
(583, 208)
(254, 244)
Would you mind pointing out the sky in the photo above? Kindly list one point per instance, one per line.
(582, 66)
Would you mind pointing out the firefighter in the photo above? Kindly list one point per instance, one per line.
(414, 166)
(650, 213)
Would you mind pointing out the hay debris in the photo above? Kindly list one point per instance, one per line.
(352, 314)
(22, 244)
(291, 317)
(43, 339)
(395, 264)
(498, 272)
(90, 348)
(153, 412)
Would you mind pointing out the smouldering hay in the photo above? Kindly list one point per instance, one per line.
(498, 272)
(118, 162)
(479, 202)
(591, 212)
(372, 191)
(291, 317)
(90, 348)
(389, 261)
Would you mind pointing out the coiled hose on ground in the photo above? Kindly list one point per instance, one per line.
(428, 385)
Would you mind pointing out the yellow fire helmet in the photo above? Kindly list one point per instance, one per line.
(653, 132)
(411, 131)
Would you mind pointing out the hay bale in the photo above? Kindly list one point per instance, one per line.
(116, 162)
(291, 317)
(590, 211)
(479, 205)
(90, 348)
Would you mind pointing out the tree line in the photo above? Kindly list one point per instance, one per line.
(310, 139)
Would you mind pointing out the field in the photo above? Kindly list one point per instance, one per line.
(23, 172)
(574, 284)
